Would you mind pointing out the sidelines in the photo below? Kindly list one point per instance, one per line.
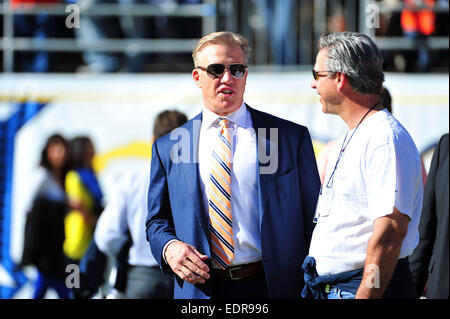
(117, 112)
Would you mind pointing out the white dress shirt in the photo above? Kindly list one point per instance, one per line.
(126, 210)
(244, 183)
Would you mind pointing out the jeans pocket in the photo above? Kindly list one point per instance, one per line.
(336, 293)
(346, 295)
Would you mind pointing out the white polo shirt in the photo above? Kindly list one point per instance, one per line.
(379, 169)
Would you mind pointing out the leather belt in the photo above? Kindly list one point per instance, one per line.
(240, 271)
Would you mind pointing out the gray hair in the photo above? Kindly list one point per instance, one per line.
(357, 56)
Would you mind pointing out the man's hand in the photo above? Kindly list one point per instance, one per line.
(187, 262)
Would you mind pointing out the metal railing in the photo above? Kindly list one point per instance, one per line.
(309, 21)
(9, 43)
(403, 43)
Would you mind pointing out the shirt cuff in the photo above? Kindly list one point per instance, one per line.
(165, 248)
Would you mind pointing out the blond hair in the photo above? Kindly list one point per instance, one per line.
(221, 37)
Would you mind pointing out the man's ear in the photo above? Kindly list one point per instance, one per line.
(196, 77)
(341, 80)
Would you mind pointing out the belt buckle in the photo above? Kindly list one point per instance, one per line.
(230, 272)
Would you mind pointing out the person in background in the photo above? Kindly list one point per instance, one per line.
(94, 29)
(123, 223)
(278, 18)
(418, 22)
(84, 196)
(370, 202)
(429, 261)
(44, 229)
(39, 28)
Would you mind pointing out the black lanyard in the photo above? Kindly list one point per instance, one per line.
(343, 147)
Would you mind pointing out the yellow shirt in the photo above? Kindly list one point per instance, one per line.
(78, 232)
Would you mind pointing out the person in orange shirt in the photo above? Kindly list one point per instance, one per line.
(418, 22)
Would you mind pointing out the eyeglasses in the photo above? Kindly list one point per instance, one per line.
(316, 74)
(217, 69)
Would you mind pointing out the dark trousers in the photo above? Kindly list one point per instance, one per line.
(147, 283)
(401, 285)
(248, 288)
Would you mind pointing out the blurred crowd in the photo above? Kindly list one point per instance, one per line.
(93, 29)
(417, 21)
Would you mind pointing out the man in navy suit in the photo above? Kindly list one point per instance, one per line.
(274, 188)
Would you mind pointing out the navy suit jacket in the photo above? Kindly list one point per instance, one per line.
(287, 201)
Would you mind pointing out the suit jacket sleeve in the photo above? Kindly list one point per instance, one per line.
(159, 223)
(309, 183)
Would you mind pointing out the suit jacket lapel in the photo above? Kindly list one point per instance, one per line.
(192, 175)
(263, 145)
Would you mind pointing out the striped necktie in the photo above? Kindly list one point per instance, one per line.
(220, 220)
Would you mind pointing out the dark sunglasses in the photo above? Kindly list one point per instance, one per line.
(217, 69)
(316, 74)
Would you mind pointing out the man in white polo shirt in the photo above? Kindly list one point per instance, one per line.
(371, 198)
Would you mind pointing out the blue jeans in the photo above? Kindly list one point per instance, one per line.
(336, 293)
(278, 17)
